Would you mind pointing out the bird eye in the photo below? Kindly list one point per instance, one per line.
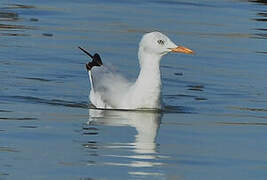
(161, 42)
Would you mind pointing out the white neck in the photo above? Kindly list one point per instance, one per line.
(147, 88)
(149, 70)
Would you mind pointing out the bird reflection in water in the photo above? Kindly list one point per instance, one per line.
(146, 124)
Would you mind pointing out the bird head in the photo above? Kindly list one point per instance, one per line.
(159, 44)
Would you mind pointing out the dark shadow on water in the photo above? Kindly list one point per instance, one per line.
(261, 17)
(261, 52)
(47, 34)
(249, 109)
(196, 87)
(18, 119)
(91, 106)
(9, 16)
(264, 2)
(13, 34)
(184, 3)
(7, 149)
(28, 127)
(19, 6)
(4, 110)
(242, 123)
(36, 100)
(36, 79)
(167, 109)
(178, 96)
(14, 27)
(178, 109)
(3, 174)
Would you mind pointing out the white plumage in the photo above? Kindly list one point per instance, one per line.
(112, 91)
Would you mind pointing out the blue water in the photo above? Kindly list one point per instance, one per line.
(216, 119)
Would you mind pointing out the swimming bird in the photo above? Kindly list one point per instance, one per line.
(113, 91)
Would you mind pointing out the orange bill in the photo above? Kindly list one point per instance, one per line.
(181, 49)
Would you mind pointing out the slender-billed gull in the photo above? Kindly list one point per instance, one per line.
(112, 91)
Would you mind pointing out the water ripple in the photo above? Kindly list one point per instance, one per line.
(9, 16)
(250, 109)
(184, 3)
(7, 149)
(19, 6)
(242, 123)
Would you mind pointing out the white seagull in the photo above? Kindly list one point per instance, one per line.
(112, 91)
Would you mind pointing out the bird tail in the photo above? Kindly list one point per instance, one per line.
(96, 61)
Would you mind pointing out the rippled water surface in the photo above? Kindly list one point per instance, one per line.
(215, 123)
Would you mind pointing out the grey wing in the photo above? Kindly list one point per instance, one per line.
(110, 85)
